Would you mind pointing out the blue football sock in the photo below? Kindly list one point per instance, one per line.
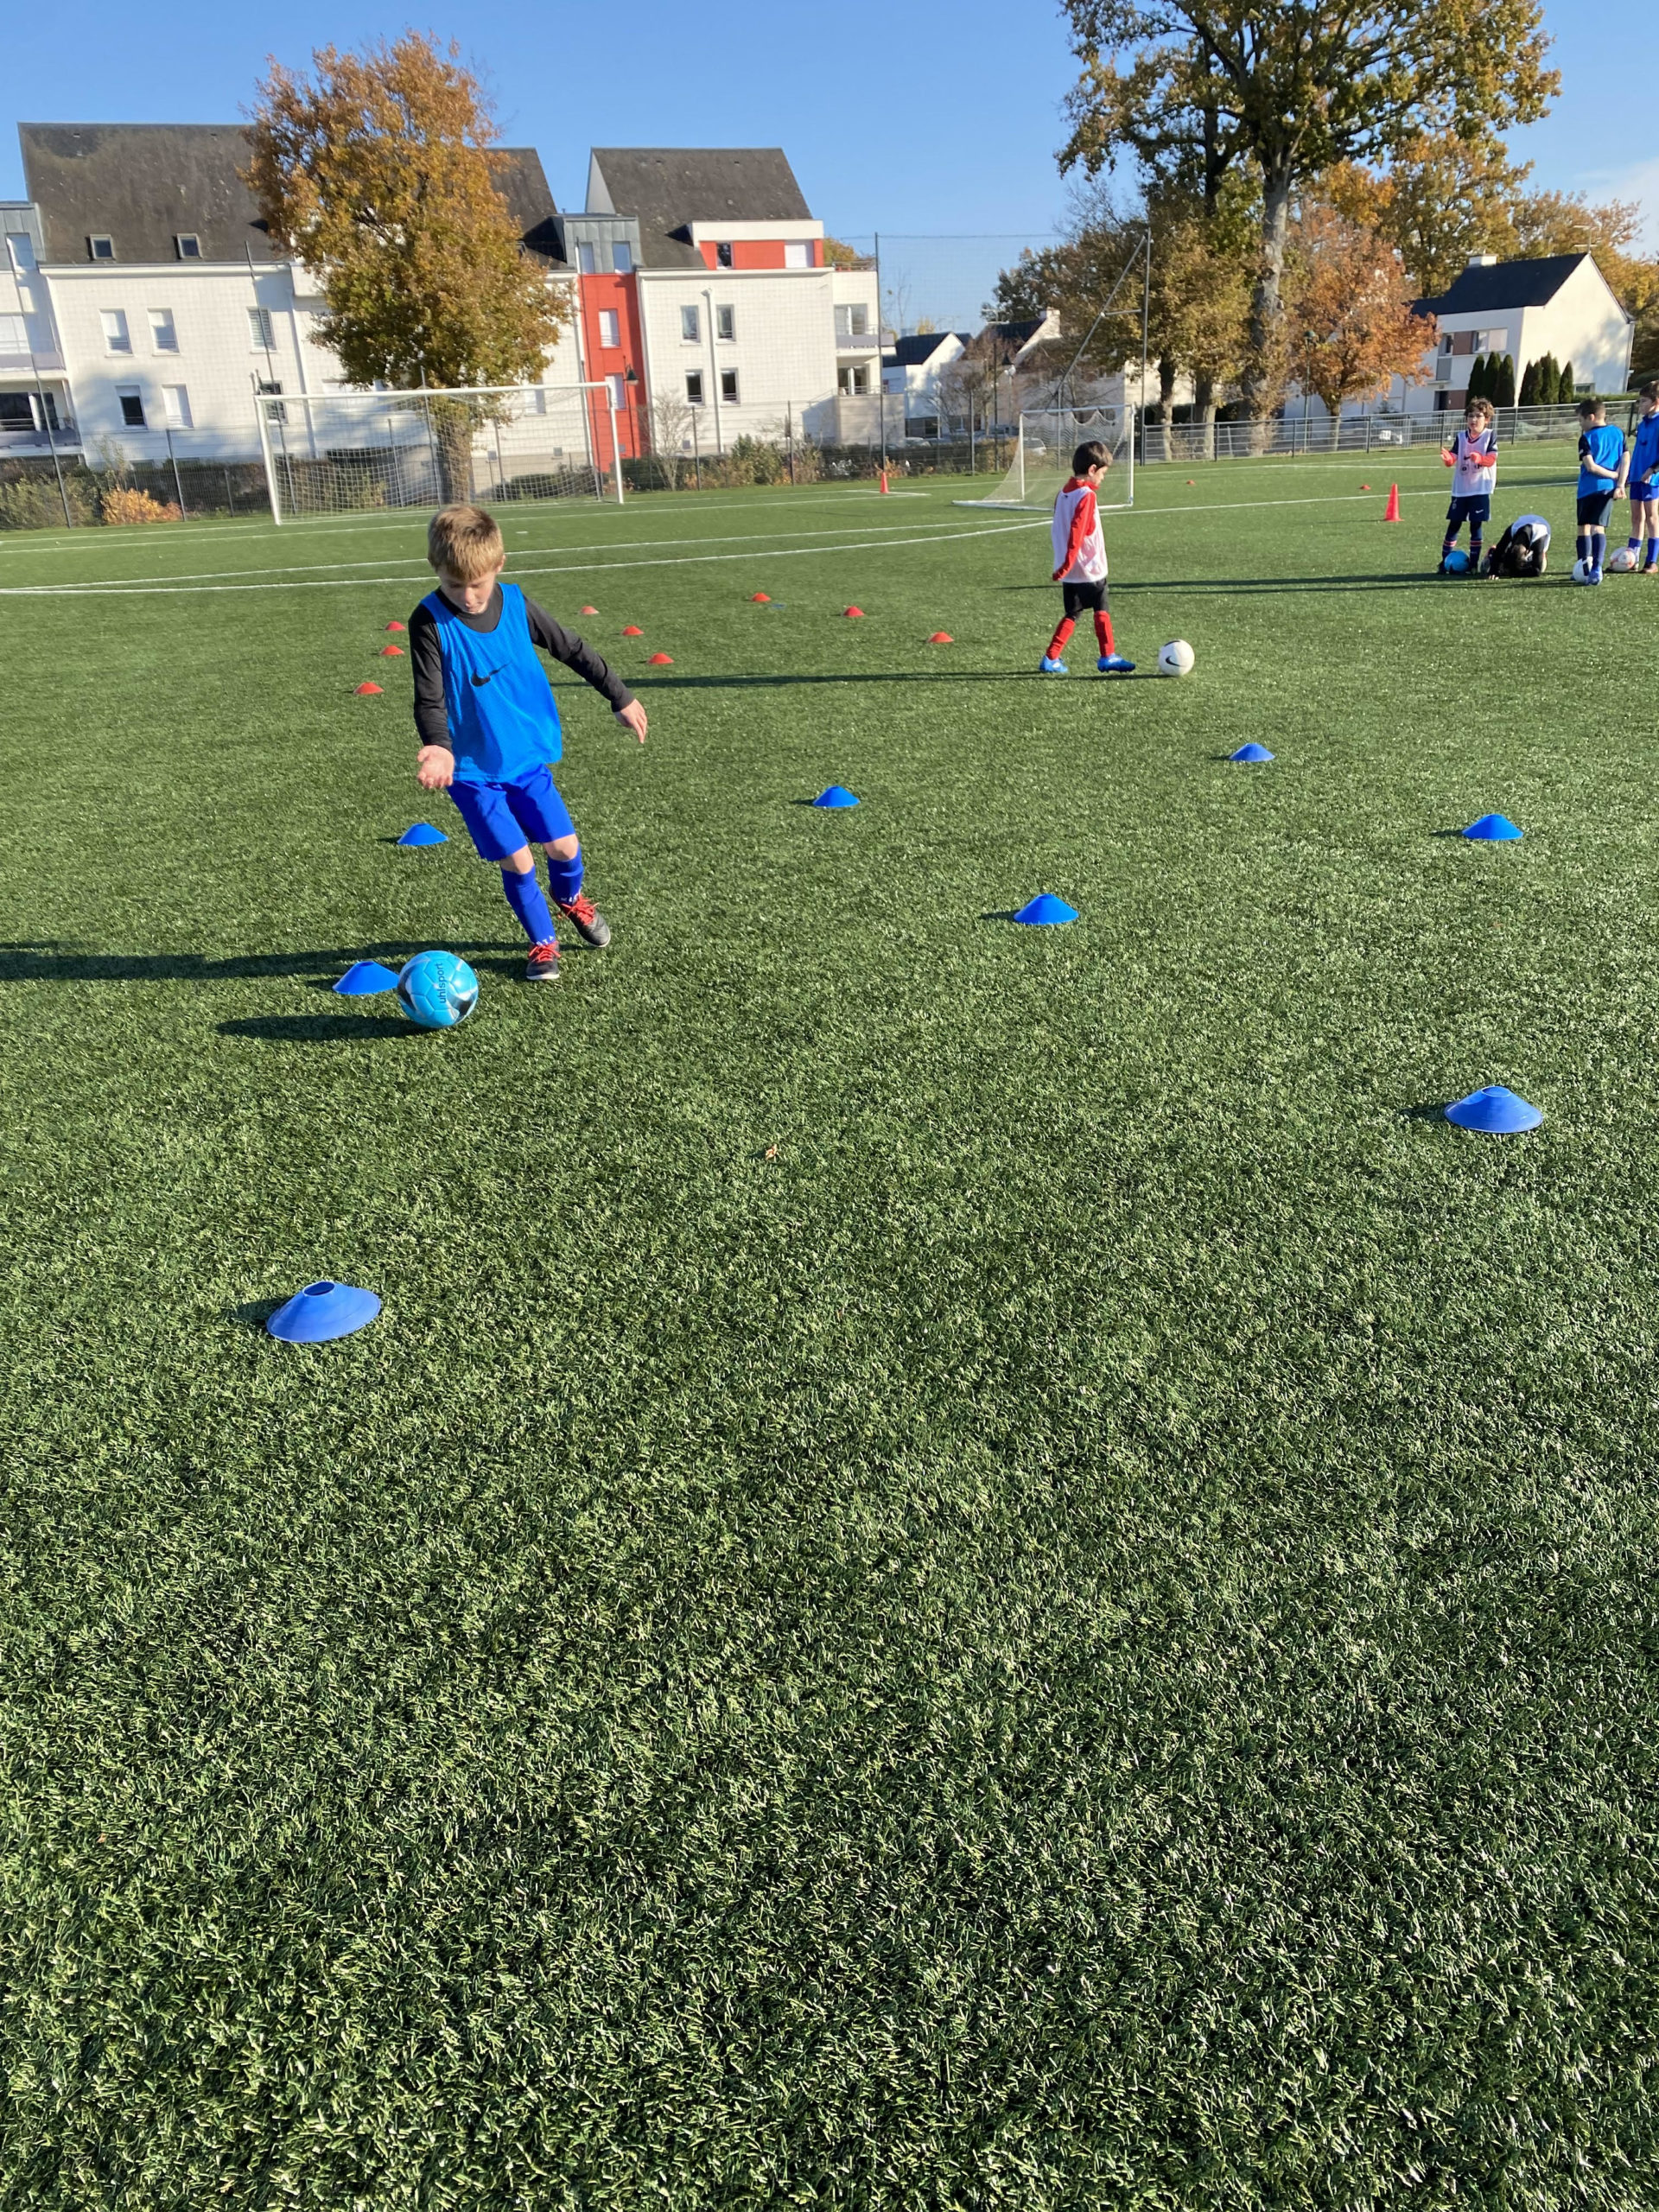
(1636, 541)
(1582, 545)
(564, 877)
(1652, 561)
(524, 897)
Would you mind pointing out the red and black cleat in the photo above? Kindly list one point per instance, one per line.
(543, 965)
(589, 925)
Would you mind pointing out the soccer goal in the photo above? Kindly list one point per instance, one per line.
(1044, 444)
(343, 452)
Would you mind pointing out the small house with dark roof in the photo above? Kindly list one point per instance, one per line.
(1558, 303)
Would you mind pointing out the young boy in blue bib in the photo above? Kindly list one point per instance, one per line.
(1639, 476)
(1601, 448)
(488, 725)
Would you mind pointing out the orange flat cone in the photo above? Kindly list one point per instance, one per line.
(1191, 481)
(633, 631)
(760, 599)
(884, 481)
(368, 691)
(854, 614)
(391, 653)
(941, 637)
(1391, 512)
(1364, 487)
(396, 625)
(661, 660)
(590, 610)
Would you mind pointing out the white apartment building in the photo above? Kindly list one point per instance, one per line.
(144, 313)
(1559, 304)
(141, 309)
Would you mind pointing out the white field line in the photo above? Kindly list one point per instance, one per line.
(579, 567)
(335, 581)
(418, 560)
(339, 526)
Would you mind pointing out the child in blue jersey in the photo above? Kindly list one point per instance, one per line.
(1601, 449)
(1471, 455)
(488, 725)
(1638, 475)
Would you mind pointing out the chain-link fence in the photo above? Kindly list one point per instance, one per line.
(1294, 432)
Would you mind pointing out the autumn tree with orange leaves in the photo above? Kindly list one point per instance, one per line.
(1349, 325)
(379, 173)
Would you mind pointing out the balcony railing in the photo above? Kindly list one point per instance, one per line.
(15, 439)
(861, 341)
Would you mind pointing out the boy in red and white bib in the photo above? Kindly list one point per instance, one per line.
(1080, 562)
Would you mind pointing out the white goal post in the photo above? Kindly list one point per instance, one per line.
(1046, 438)
(349, 452)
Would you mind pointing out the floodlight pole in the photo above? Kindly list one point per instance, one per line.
(880, 379)
(616, 442)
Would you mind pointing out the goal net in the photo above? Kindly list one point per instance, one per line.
(342, 451)
(1044, 443)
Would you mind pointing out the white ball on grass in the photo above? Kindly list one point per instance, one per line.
(1176, 659)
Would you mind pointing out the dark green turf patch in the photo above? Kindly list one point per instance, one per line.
(970, 1565)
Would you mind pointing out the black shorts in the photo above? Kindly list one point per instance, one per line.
(1593, 510)
(1085, 599)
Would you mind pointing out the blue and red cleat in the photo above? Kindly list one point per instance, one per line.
(1048, 667)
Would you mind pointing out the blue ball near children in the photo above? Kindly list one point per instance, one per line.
(1457, 562)
(435, 990)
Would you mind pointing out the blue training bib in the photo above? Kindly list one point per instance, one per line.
(504, 721)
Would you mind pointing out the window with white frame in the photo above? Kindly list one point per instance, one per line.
(101, 247)
(14, 333)
(175, 406)
(262, 334)
(163, 332)
(20, 247)
(798, 253)
(725, 323)
(188, 245)
(588, 261)
(132, 406)
(17, 411)
(691, 326)
(853, 377)
(622, 258)
(723, 255)
(610, 326)
(728, 386)
(853, 320)
(693, 387)
(117, 338)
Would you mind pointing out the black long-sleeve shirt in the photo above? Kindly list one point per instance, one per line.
(426, 657)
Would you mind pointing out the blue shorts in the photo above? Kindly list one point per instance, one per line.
(1594, 507)
(1477, 507)
(1642, 488)
(501, 817)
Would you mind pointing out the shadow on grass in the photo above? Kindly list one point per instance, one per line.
(883, 675)
(50, 962)
(340, 1029)
(255, 1311)
(1430, 1110)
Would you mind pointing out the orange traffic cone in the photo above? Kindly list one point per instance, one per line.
(883, 479)
(1391, 512)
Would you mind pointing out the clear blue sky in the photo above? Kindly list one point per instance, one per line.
(940, 120)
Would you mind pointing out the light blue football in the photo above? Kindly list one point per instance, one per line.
(437, 990)
(1457, 562)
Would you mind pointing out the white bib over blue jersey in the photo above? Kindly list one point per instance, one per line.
(504, 721)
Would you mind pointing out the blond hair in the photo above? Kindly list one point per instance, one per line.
(464, 543)
(1479, 405)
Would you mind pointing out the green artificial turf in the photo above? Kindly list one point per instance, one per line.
(970, 1565)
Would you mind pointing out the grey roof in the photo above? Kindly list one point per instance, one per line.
(670, 187)
(1504, 285)
(142, 183)
(910, 352)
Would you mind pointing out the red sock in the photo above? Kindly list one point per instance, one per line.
(1057, 642)
(1103, 630)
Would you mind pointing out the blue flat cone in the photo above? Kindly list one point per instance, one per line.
(1247, 753)
(1496, 1110)
(837, 795)
(1045, 907)
(422, 834)
(364, 978)
(1492, 829)
(322, 1310)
